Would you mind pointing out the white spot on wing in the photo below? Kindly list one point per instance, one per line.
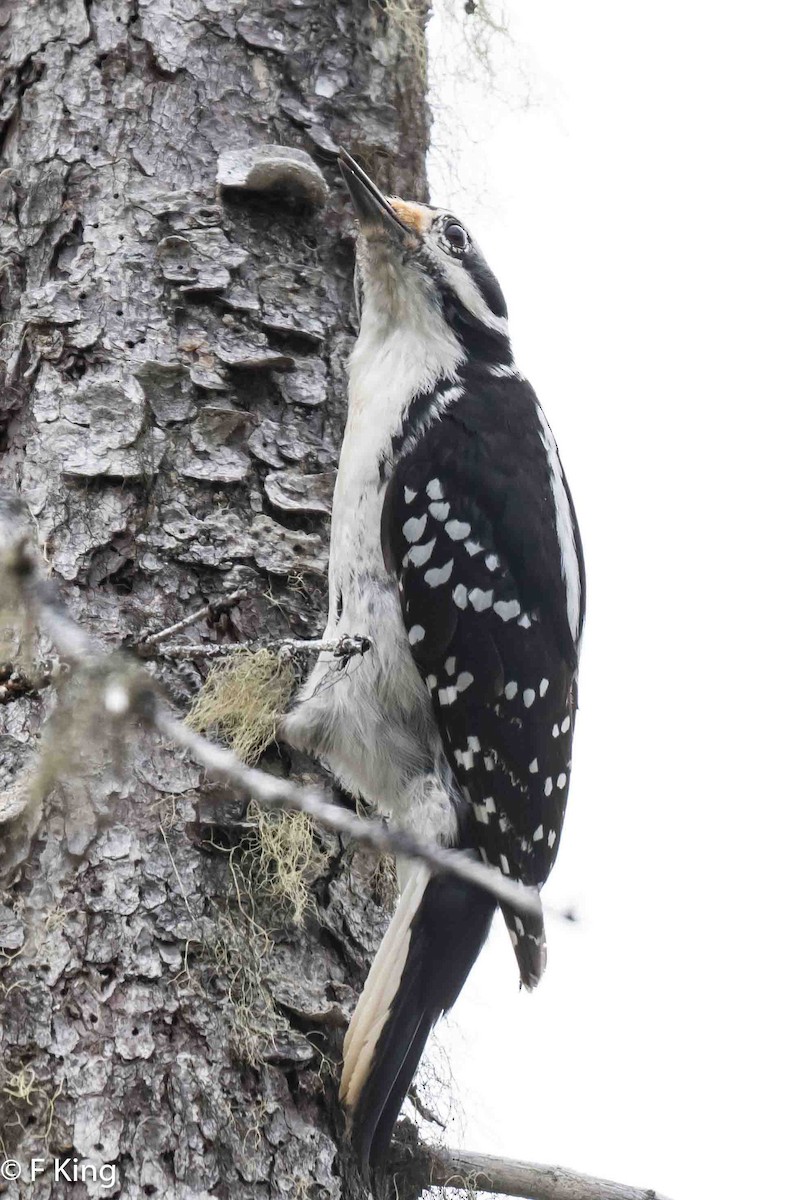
(561, 780)
(511, 689)
(410, 495)
(415, 634)
(458, 530)
(463, 681)
(472, 547)
(480, 600)
(534, 767)
(548, 786)
(543, 688)
(434, 491)
(528, 696)
(414, 528)
(460, 596)
(419, 555)
(449, 665)
(507, 609)
(538, 836)
(438, 512)
(438, 575)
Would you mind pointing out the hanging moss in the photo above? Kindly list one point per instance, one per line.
(243, 699)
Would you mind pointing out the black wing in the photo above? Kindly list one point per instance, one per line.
(470, 529)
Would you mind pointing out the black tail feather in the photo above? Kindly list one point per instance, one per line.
(381, 1139)
(447, 932)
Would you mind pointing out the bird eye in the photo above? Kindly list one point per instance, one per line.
(456, 235)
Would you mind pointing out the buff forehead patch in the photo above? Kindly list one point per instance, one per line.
(416, 216)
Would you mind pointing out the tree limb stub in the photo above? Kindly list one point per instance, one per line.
(463, 1170)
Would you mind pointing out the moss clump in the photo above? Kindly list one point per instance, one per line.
(280, 859)
(243, 698)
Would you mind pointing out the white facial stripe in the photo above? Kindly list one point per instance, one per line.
(469, 293)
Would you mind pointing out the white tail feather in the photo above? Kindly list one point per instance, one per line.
(381, 987)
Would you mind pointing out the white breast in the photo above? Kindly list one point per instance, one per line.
(396, 356)
(373, 724)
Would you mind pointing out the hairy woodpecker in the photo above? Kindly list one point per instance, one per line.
(455, 549)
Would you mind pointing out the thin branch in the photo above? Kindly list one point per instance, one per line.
(208, 612)
(466, 1171)
(130, 695)
(194, 650)
(346, 646)
(342, 648)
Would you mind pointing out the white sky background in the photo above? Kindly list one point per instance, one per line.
(642, 218)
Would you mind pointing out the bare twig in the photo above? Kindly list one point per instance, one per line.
(209, 611)
(462, 1170)
(131, 695)
(347, 646)
(342, 648)
(193, 650)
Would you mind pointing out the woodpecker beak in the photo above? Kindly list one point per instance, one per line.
(374, 212)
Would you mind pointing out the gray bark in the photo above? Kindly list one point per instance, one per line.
(176, 319)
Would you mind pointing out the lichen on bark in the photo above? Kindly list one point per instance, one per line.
(176, 320)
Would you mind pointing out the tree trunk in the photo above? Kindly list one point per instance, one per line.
(176, 319)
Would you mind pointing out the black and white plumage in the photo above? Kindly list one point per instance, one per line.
(455, 548)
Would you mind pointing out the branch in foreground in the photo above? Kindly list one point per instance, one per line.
(369, 832)
(131, 696)
(464, 1171)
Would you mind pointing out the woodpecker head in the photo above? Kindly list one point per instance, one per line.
(414, 261)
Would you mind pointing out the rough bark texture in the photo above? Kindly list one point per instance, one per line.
(176, 318)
